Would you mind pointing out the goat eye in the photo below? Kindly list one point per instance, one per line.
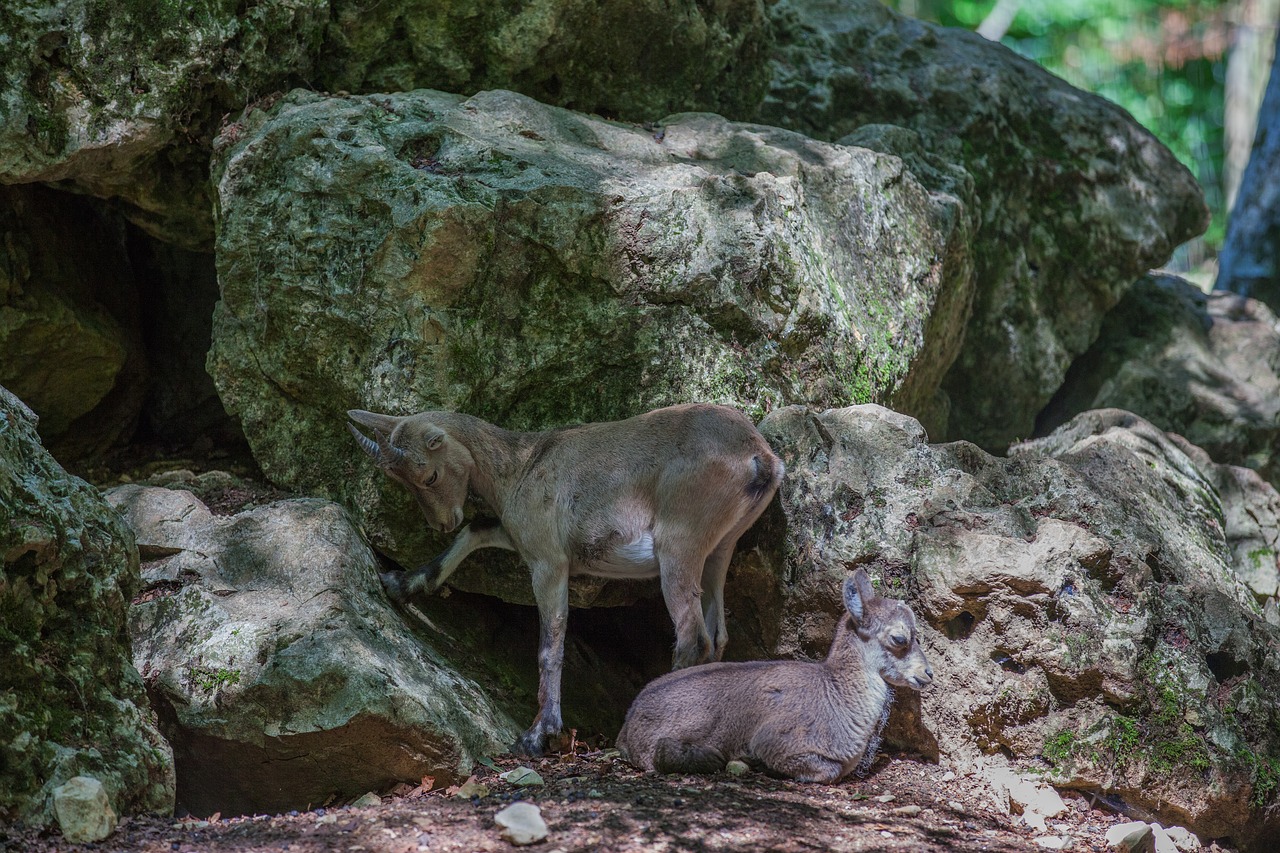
(434, 475)
(899, 639)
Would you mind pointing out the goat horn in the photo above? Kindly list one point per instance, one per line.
(388, 453)
(368, 444)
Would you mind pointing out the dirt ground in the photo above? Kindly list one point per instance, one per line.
(595, 801)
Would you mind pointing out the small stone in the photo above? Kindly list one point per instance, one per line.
(84, 813)
(906, 811)
(886, 797)
(472, 788)
(1035, 820)
(949, 776)
(369, 799)
(736, 768)
(1054, 842)
(955, 805)
(327, 818)
(522, 776)
(1183, 838)
(1135, 836)
(522, 824)
(1163, 843)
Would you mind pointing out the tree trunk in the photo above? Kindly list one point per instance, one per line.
(1250, 260)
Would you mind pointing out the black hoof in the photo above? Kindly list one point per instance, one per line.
(393, 583)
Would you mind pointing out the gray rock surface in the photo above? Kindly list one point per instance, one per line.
(1074, 200)
(282, 674)
(1084, 608)
(71, 703)
(537, 267)
(84, 813)
(1204, 366)
(121, 99)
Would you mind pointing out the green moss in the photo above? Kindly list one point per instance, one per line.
(1122, 740)
(1059, 748)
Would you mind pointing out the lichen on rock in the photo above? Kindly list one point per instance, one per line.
(1072, 199)
(1084, 606)
(71, 702)
(537, 267)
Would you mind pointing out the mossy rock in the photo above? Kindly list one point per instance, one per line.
(537, 267)
(72, 703)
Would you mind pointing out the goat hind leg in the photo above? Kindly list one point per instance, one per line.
(551, 590)
(682, 590)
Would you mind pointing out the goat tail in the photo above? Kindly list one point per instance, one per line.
(671, 755)
(768, 476)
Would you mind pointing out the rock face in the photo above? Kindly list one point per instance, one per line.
(535, 267)
(264, 638)
(1204, 366)
(71, 703)
(121, 99)
(1059, 176)
(1084, 601)
(637, 60)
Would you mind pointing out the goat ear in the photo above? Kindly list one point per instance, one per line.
(433, 437)
(853, 600)
(385, 424)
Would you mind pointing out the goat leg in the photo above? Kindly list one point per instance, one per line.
(551, 590)
(480, 533)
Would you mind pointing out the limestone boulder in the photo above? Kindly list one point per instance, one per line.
(1074, 199)
(1206, 366)
(1086, 605)
(121, 100)
(281, 673)
(71, 702)
(537, 267)
(636, 60)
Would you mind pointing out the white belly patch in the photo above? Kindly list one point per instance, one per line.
(629, 560)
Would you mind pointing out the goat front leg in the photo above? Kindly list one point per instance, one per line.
(480, 533)
(551, 591)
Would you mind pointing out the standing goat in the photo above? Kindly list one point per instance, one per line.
(663, 494)
(810, 721)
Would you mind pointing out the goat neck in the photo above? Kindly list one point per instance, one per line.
(499, 456)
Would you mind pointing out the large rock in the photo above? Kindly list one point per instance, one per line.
(637, 60)
(1084, 603)
(1204, 366)
(1076, 199)
(537, 267)
(282, 674)
(121, 100)
(70, 336)
(71, 703)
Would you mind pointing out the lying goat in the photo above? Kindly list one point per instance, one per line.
(663, 494)
(810, 721)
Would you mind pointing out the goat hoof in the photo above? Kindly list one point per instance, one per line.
(393, 584)
(531, 743)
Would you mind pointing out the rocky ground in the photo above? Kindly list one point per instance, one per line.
(593, 800)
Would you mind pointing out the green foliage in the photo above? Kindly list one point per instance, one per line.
(1163, 62)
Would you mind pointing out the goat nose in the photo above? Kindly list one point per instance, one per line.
(928, 670)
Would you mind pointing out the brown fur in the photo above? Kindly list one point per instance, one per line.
(810, 721)
(667, 493)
